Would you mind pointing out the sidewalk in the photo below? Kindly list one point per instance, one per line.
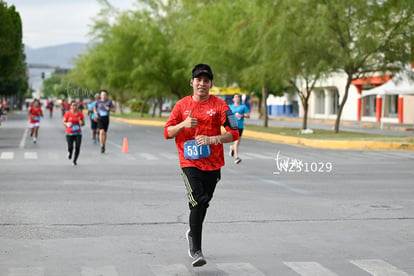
(327, 144)
(362, 127)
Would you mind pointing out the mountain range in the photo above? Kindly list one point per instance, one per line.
(58, 56)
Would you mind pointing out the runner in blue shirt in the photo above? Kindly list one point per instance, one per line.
(94, 118)
(240, 111)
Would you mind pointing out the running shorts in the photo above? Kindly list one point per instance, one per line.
(200, 185)
(103, 123)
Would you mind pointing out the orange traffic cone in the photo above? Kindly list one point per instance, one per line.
(125, 145)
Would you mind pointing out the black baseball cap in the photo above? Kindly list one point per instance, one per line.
(200, 69)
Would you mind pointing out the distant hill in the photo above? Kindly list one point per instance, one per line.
(59, 55)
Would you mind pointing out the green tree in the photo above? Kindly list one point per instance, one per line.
(13, 79)
(133, 56)
(55, 87)
(10, 40)
(237, 39)
(366, 36)
(304, 59)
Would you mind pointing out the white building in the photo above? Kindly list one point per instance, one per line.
(393, 106)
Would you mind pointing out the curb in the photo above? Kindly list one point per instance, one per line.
(327, 144)
(275, 138)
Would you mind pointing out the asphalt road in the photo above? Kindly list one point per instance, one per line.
(284, 210)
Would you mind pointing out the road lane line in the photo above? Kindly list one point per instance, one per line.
(148, 156)
(309, 269)
(24, 137)
(378, 267)
(239, 269)
(167, 270)
(99, 271)
(30, 155)
(7, 155)
(26, 271)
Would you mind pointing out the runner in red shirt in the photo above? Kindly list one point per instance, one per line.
(196, 122)
(65, 107)
(73, 120)
(35, 112)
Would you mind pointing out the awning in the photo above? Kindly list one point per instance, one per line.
(216, 90)
(401, 84)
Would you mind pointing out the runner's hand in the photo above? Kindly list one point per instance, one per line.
(190, 122)
(202, 140)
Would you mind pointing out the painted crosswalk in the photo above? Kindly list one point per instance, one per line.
(375, 267)
(247, 155)
(309, 268)
(379, 267)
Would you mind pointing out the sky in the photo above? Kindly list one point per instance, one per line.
(54, 22)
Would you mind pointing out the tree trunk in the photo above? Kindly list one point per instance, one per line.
(265, 93)
(154, 107)
(143, 105)
(341, 106)
(305, 114)
(121, 104)
(160, 103)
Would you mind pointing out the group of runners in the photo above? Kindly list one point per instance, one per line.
(195, 123)
(73, 121)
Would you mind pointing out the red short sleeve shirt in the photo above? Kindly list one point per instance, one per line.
(75, 119)
(210, 116)
(35, 114)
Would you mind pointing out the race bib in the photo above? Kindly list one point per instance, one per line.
(76, 128)
(103, 113)
(36, 118)
(193, 151)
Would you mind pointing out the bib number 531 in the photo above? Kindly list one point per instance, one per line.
(194, 151)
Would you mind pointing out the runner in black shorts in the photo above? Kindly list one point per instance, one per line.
(195, 123)
(102, 109)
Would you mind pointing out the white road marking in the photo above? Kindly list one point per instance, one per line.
(378, 267)
(239, 269)
(167, 270)
(99, 271)
(7, 155)
(24, 137)
(309, 269)
(30, 155)
(26, 271)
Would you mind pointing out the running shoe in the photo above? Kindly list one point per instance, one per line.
(103, 149)
(231, 152)
(237, 161)
(69, 155)
(34, 140)
(198, 259)
(190, 243)
(74, 163)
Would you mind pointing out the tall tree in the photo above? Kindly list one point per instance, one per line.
(304, 58)
(366, 36)
(13, 78)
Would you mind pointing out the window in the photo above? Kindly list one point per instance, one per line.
(391, 106)
(335, 102)
(319, 102)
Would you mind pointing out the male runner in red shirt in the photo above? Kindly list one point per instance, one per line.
(196, 122)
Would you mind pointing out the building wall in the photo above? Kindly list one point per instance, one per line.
(408, 110)
(286, 106)
(328, 94)
(335, 83)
